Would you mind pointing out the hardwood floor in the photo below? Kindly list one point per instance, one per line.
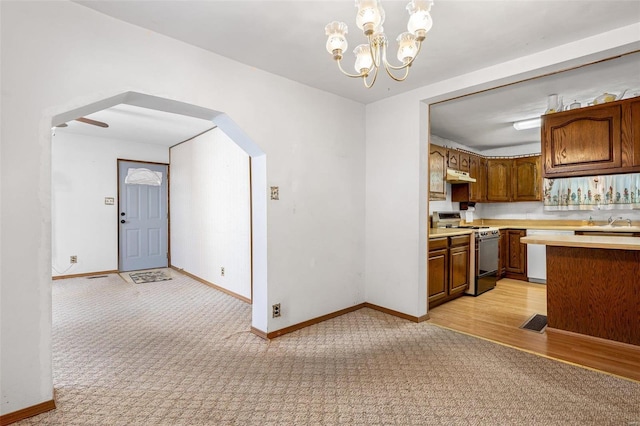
(497, 315)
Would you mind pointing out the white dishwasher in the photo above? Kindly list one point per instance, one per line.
(537, 255)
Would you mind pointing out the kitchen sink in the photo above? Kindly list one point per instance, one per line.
(609, 228)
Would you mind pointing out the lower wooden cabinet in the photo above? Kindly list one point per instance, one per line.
(448, 266)
(513, 254)
(438, 266)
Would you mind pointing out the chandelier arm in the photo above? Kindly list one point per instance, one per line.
(374, 49)
(348, 74)
(388, 67)
(373, 80)
(403, 66)
(403, 78)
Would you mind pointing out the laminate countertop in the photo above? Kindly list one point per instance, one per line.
(448, 232)
(557, 225)
(585, 241)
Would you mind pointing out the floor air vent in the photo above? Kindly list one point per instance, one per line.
(536, 323)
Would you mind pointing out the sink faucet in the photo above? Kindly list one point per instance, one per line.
(613, 220)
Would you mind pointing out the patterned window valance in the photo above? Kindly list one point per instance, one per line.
(593, 192)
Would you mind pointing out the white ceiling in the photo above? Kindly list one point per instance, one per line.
(485, 120)
(143, 125)
(287, 38)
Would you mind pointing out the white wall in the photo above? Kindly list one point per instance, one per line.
(58, 56)
(210, 211)
(84, 170)
(396, 214)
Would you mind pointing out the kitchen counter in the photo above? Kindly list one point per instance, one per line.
(585, 241)
(448, 232)
(557, 225)
(592, 285)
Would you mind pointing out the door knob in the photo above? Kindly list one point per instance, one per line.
(123, 221)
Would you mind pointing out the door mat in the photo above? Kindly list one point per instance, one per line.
(535, 323)
(149, 277)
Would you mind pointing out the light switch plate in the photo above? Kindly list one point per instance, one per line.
(109, 201)
(275, 193)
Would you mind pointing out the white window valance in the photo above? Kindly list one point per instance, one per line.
(143, 176)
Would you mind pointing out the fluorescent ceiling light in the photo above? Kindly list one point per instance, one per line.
(527, 124)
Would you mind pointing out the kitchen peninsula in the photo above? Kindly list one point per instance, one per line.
(593, 285)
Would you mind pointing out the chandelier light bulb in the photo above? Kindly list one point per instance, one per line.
(336, 41)
(370, 15)
(407, 47)
(420, 21)
(364, 62)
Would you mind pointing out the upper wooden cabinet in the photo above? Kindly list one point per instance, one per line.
(478, 171)
(631, 133)
(601, 139)
(499, 179)
(514, 179)
(437, 172)
(464, 161)
(453, 159)
(526, 178)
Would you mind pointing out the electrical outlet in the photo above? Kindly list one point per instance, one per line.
(276, 310)
(222, 271)
(73, 259)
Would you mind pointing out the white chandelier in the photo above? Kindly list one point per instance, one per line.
(369, 57)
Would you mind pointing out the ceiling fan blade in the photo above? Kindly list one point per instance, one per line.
(92, 122)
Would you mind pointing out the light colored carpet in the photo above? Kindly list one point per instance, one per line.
(180, 353)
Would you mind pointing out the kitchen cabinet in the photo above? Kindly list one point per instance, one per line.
(457, 160)
(514, 179)
(464, 161)
(502, 254)
(437, 172)
(448, 264)
(458, 264)
(514, 254)
(631, 133)
(473, 191)
(601, 139)
(587, 295)
(526, 182)
(499, 179)
(478, 170)
(438, 264)
(453, 159)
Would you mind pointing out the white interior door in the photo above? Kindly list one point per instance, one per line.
(143, 216)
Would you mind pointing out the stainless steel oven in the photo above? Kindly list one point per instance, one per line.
(486, 260)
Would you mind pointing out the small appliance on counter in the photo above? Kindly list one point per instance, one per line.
(450, 220)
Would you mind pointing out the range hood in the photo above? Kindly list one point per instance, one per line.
(456, 176)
